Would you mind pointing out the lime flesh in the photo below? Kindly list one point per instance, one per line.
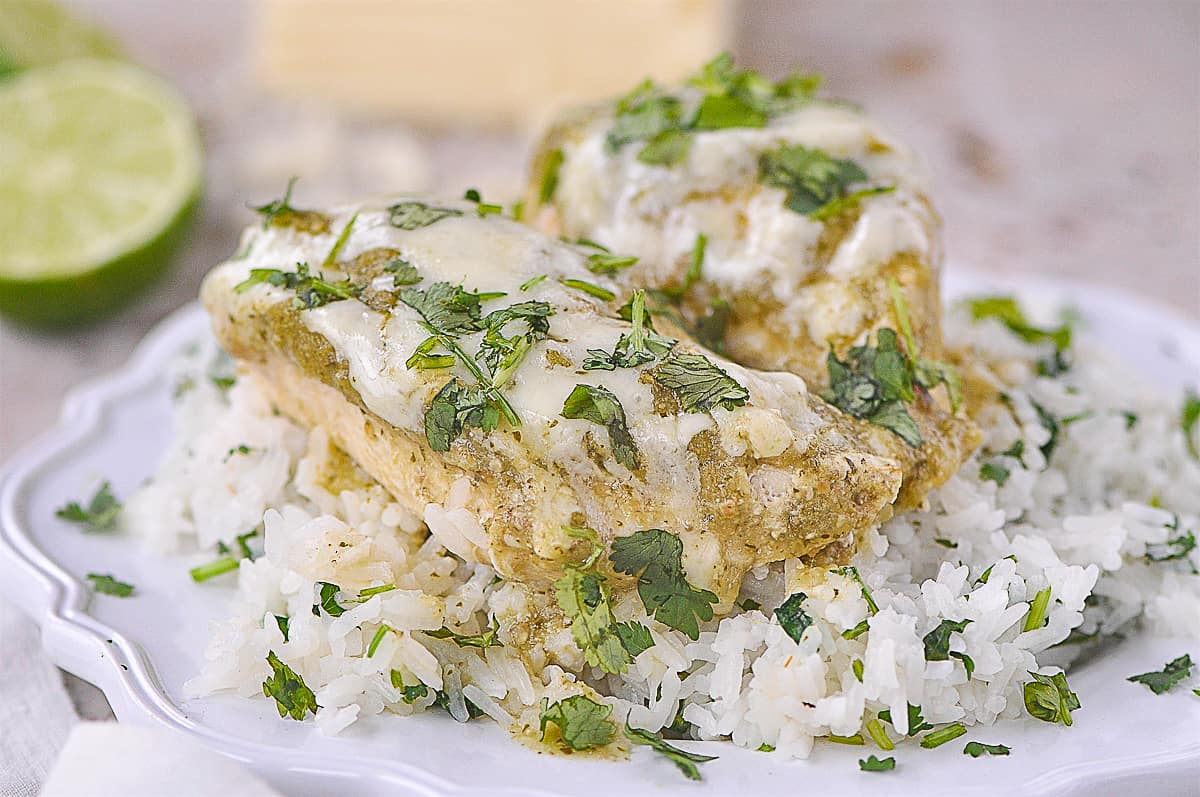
(100, 172)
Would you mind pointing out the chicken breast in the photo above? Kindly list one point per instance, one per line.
(485, 376)
(778, 226)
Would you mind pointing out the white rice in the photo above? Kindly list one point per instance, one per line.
(1081, 525)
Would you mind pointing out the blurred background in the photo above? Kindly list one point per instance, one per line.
(1064, 136)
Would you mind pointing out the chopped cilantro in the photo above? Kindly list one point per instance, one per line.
(283, 623)
(582, 722)
(873, 764)
(550, 168)
(916, 723)
(225, 564)
(1176, 548)
(792, 617)
(874, 383)
(598, 404)
(942, 735)
(604, 294)
(371, 592)
(403, 273)
(380, 633)
(1172, 673)
(856, 667)
(699, 384)
(105, 583)
(639, 346)
(719, 111)
(1048, 698)
(1006, 310)
(422, 360)
(100, 513)
(937, 641)
(851, 200)
(606, 263)
(719, 78)
(414, 215)
(1188, 418)
(340, 243)
(856, 631)
(481, 207)
(277, 207)
(878, 734)
(668, 148)
(447, 308)
(487, 638)
(641, 115)
(656, 558)
(681, 758)
(927, 373)
(409, 694)
(856, 740)
(455, 407)
(532, 282)
(1037, 610)
(990, 471)
(850, 571)
(292, 697)
(976, 749)
(1052, 425)
(810, 177)
(582, 594)
(328, 600)
(311, 292)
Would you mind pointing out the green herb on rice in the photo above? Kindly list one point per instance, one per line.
(942, 735)
(328, 601)
(409, 694)
(292, 697)
(487, 638)
(1048, 698)
(916, 723)
(850, 571)
(792, 617)
(582, 722)
(1189, 417)
(655, 557)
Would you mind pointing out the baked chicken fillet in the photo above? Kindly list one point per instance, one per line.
(777, 225)
(480, 371)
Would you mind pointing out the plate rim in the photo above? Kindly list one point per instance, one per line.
(57, 601)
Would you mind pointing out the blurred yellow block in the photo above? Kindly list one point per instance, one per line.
(483, 62)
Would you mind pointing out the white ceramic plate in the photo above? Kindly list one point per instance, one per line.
(141, 650)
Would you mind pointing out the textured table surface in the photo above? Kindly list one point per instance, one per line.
(1064, 138)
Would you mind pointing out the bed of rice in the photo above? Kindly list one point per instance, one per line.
(1082, 525)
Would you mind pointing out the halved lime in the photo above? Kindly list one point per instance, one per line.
(38, 32)
(100, 170)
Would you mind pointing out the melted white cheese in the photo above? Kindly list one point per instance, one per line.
(496, 254)
(754, 241)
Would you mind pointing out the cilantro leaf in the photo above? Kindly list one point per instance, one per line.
(447, 308)
(1189, 416)
(403, 273)
(719, 78)
(990, 471)
(414, 215)
(656, 558)
(591, 289)
(976, 749)
(699, 384)
(105, 583)
(641, 115)
(850, 571)
(719, 111)
(607, 263)
(100, 513)
(277, 207)
(685, 761)
(550, 168)
(328, 600)
(942, 735)
(503, 353)
(851, 200)
(409, 694)
(311, 291)
(481, 207)
(916, 723)
(668, 148)
(582, 594)
(292, 697)
(487, 638)
(1048, 698)
(937, 641)
(873, 383)
(873, 764)
(639, 346)
(598, 404)
(1176, 547)
(582, 722)
(455, 407)
(1172, 673)
(792, 617)
(1006, 310)
(810, 177)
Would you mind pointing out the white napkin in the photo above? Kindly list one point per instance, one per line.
(103, 759)
(35, 712)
